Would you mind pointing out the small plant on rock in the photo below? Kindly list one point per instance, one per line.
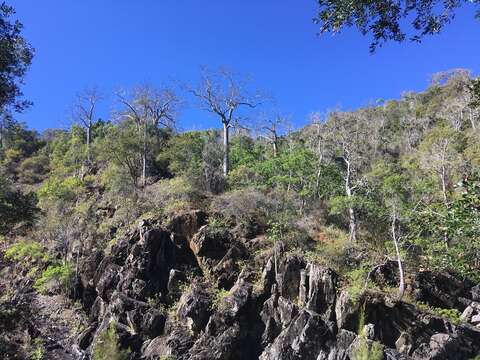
(107, 347)
(59, 272)
(367, 350)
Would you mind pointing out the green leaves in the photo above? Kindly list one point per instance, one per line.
(384, 19)
(60, 189)
(450, 233)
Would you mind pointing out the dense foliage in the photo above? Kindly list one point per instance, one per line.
(385, 20)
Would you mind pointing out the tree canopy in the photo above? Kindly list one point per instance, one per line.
(387, 20)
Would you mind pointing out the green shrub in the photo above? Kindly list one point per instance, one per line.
(168, 357)
(366, 350)
(16, 208)
(452, 315)
(32, 170)
(27, 251)
(60, 189)
(217, 225)
(59, 272)
(107, 347)
(170, 195)
(356, 282)
(218, 297)
(38, 352)
(331, 249)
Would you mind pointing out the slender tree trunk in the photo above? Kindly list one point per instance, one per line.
(144, 156)
(401, 289)
(226, 149)
(472, 120)
(275, 147)
(89, 140)
(275, 259)
(351, 213)
(444, 185)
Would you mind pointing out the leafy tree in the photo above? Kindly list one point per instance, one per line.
(439, 154)
(16, 55)
(65, 150)
(182, 154)
(345, 135)
(292, 170)
(126, 151)
(20, 143)
(393, 188)
(384, 19)
(459, 221)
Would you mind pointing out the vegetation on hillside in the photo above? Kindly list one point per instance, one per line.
(401, 177)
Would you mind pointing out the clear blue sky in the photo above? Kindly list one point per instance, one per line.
(120, 43)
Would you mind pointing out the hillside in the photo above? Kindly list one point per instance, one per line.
(134, 244)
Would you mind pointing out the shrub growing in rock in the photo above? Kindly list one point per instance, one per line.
(107, 347)
(60, 273)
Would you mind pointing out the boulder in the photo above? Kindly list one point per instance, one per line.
(194, 307)
(304, 339)
(322, 291)
(288, 277)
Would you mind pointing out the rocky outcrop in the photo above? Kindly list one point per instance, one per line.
(443, 290)
(191, 292)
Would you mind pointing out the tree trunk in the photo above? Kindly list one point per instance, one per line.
(89, 140)
(472, 120)
(352, 222)
(444, 184)
(144, 157)
(275, 147)
(401, 289)
(226, 149)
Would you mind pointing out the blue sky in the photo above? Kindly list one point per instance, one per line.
(122, 43)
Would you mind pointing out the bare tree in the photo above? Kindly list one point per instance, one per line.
(271, 128)
(149, 108)
(84, 113)
(223, 95)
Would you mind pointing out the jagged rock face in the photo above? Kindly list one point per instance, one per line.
(443, 290)
(304, 338)
(322, 291)
(218, 254)
(295, 310)
(195, 308)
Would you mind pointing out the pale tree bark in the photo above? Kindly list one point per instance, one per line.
(352, 221)
(344, 135)
(317, 143)
(226, 149)
(223, 95)
(84, 114)
(401, 289)
(149, 107)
